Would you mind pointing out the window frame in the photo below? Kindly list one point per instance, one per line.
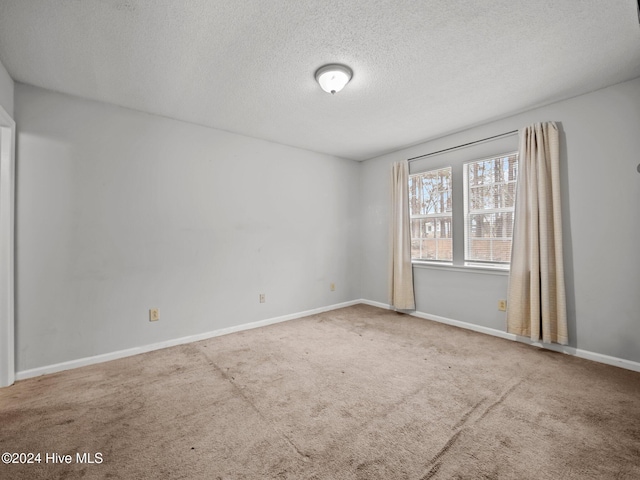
(467, 211)
(434, 216)
(456, 157)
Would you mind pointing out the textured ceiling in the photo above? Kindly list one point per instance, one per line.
(422, 69)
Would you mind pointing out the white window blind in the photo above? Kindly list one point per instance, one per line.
(489, 199)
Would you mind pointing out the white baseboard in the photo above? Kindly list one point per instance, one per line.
(586, 354)
(82, 362)
(376, 304)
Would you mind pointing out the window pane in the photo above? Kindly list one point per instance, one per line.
(443, 227)
(430, 207)
(415, 248)
(489, 206)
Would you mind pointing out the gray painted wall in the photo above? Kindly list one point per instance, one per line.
(600, 133)
(120, 211)
(6, 90)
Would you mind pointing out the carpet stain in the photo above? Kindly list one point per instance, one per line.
(432, 472)
(446, 447)
(466, 416)
(501, 398)
(465, 421)
(241, 393)
(302, 455)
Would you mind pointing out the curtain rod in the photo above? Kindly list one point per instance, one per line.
(506, 134)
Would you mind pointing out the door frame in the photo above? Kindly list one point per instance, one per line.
(7, 236)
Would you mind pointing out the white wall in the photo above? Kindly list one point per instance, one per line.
(600, 133)
(120, 211)
(6, 90)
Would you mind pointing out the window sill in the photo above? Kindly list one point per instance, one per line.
(481, 269)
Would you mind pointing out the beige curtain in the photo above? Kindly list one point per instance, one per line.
(536, 301)
(401, 281)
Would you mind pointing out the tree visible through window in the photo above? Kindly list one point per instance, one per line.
(490, 193)
(430, 213)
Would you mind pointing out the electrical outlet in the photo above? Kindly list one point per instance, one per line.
(332, 287)
(502, 305)
(154, 314)
(262, 298)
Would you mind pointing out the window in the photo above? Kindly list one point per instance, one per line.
(489, 193)
(463, 214)
(430, 213)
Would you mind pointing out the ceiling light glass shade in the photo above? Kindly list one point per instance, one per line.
(333, 78)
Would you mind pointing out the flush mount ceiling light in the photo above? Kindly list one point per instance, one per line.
(332, 78)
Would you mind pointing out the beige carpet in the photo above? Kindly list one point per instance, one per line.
(357, 393)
